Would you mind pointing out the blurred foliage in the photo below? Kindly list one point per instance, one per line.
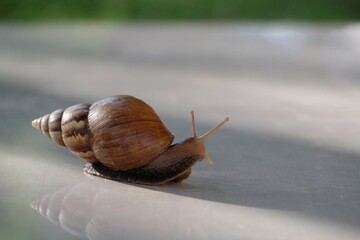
(180, 9)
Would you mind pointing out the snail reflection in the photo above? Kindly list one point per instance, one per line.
(106, 210)
(123, 138)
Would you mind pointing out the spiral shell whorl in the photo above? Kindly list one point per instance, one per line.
(50, 126)
(75, 131)
(69, 128)
(127, 133)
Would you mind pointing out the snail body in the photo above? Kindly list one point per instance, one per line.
(122, 138)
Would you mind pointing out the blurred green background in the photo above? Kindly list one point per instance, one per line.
(180, 10)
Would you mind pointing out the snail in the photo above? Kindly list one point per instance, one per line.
(122, 138)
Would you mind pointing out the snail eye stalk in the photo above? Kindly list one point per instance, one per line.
(207, 135)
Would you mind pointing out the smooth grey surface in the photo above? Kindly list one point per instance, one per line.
(286, 165)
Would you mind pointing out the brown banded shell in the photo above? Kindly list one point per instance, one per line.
(122, 132)
(50, 126)
(75, 131)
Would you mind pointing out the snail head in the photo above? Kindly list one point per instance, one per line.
(200, 141)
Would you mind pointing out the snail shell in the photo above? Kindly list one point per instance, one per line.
(121, 132)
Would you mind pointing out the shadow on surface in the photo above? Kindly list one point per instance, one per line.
(266, 171)
(251, 169)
